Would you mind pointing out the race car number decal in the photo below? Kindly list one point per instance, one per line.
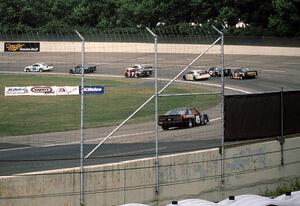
(197, 119)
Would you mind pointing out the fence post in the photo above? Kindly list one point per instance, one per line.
(281, 140)
(222, 104)
(81, 120)
(156, 111)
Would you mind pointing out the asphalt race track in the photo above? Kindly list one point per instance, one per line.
(18, 156)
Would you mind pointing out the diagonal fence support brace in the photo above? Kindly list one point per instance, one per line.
(147, 101)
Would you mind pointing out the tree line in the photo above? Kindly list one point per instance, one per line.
(268, 17)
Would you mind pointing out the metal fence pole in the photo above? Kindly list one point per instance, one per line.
(156, 111)
(222, 104)
(81, 121)
(282, 126)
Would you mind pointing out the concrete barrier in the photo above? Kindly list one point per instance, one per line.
(249, 168)
(47, 46)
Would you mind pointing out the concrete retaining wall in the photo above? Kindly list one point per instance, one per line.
(163, 48)
(249, 168)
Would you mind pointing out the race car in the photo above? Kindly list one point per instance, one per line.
(217, 71)
(243, 73)
(194, 75)
(139, 70)
(38, 67)
(182, 117)
(87, 69)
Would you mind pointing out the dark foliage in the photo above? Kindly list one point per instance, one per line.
(270, 17)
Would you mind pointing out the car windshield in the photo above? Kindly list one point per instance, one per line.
(244, 69)
(44, 64)
(84, 66)
(200, 72)
(180, 111)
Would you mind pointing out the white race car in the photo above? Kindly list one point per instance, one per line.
(38, 67)
(194, 75)
(139, 70)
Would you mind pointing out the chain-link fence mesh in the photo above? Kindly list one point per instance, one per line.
(54, 121)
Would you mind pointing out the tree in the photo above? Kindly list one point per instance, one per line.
(228, 15)
(204, 10)
(254, 12)
(285, 19)
(279, 16)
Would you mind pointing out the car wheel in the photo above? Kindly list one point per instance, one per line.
(190, 123)
(40, 70)
(27, 70)
(184, 78)
(165, 127)
(126, 75)
(205, 120)
(210, 73)
(231, 76)
(138, 75)
(194, 78)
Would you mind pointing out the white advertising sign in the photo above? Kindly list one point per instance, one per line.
(42, 90)
(16, 91)
(67, 90)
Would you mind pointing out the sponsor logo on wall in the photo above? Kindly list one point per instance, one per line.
(42, 90)
(16, 91)
(67, 90)
(21, 46)
(90, 90)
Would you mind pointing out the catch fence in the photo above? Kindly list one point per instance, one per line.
(120, 123)
(55, 121)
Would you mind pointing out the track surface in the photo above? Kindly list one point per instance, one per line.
(136, 141)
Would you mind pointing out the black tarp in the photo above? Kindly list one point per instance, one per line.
(291, 112)
(255, 116)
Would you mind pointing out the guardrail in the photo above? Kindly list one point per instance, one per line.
(54, 46)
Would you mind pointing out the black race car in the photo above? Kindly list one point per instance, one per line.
(217, 71)
(182, 117)
(87, 69)
(243, 73)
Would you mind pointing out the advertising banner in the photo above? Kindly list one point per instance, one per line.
(42, 90)
(21, 46)
(90, 90)
(67, 90)
(16, 91)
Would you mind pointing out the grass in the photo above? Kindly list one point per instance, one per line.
(284, 187)
(22, 115)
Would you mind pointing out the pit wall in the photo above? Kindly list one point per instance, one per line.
(249, 168)
(46, 46)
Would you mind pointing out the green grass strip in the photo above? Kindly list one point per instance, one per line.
(21, 115)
